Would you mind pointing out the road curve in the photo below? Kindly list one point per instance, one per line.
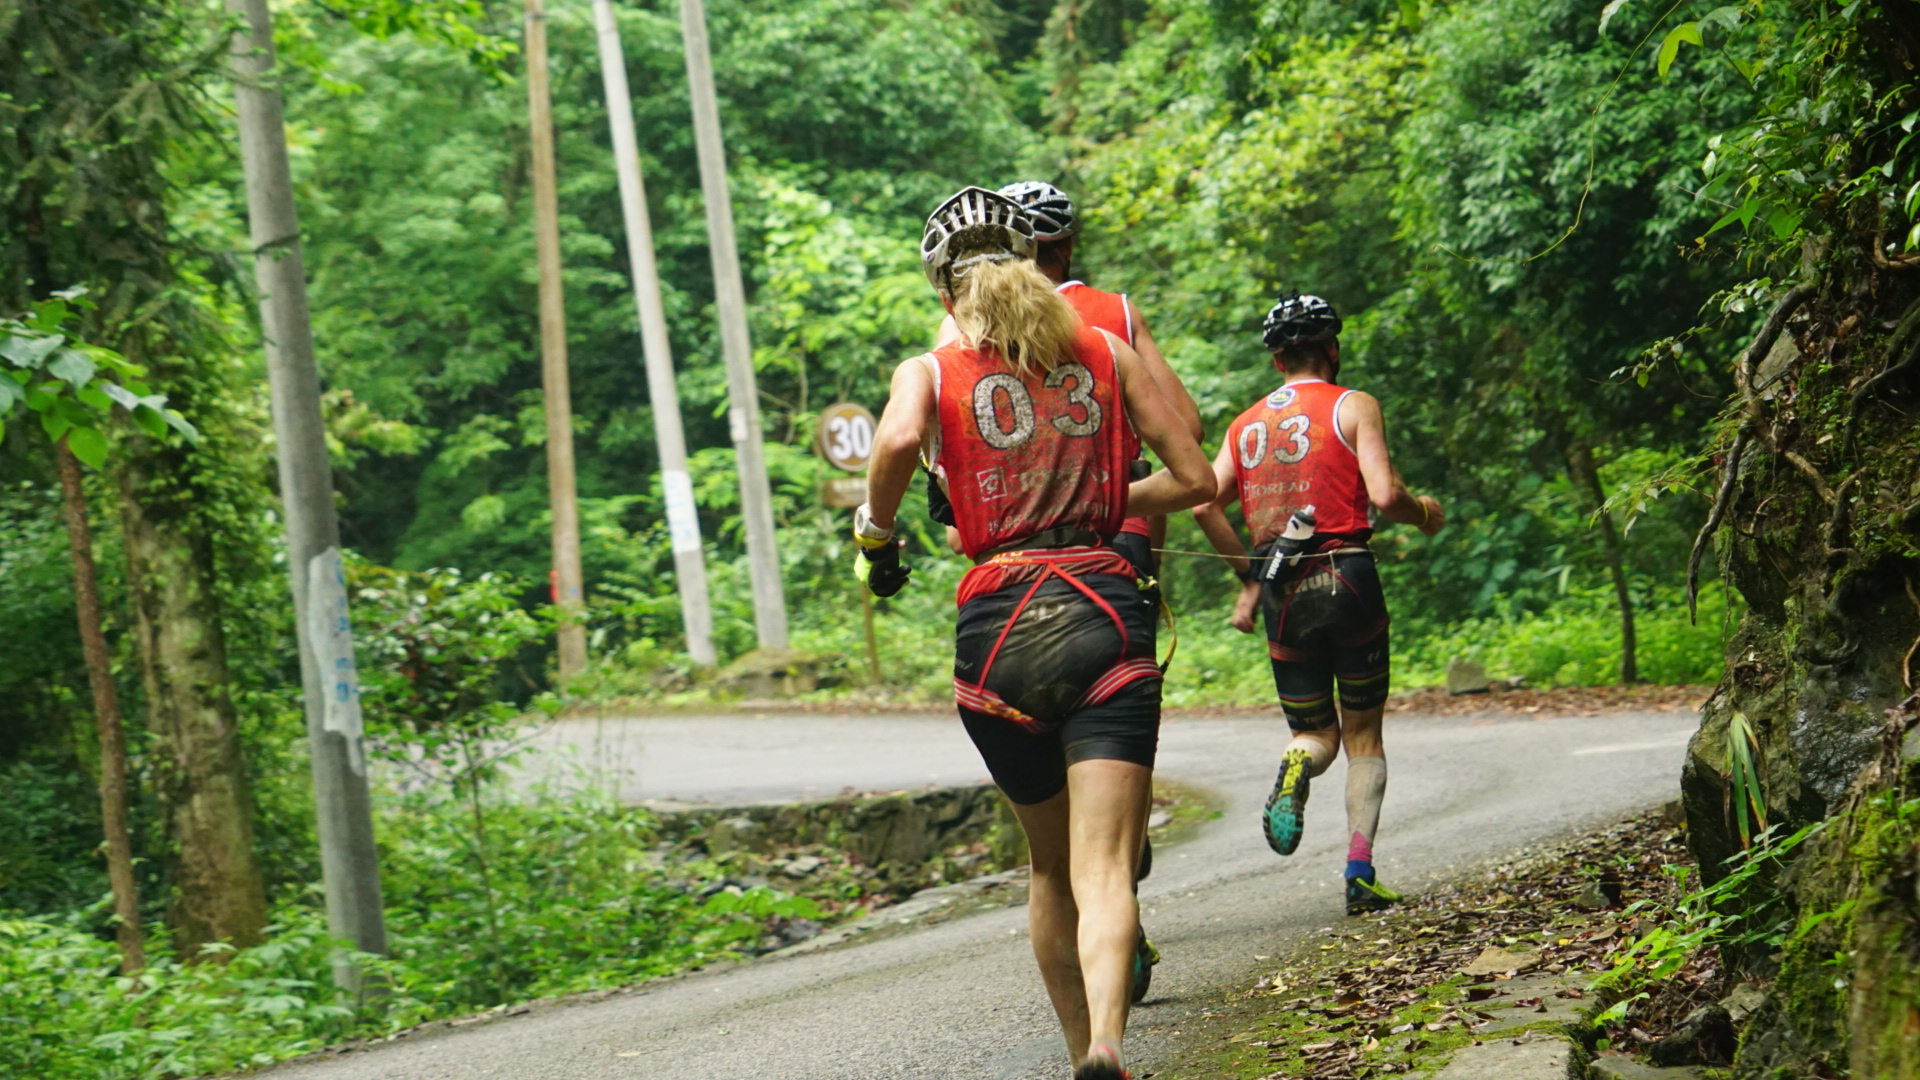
(962, 1000)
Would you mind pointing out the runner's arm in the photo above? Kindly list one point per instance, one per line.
(1186, 480)
(1212, 517)
(1163, 376)
(1366, 430)
(897, 440)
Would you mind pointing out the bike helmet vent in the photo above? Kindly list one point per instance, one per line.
(1299, 320)
(974, 226)
(1048, 206)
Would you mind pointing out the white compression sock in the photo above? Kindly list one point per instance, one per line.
(1366, 790)
(1321, 754)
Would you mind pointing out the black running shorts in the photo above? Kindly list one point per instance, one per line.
(1326, 627)
(1059, 647)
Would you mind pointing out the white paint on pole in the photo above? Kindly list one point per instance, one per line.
(730, 298)
(683, 526)
(683, 521)
(331, 631)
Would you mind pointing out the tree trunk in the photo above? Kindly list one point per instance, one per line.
(1584, 473)
(106, 711)
(201, 780)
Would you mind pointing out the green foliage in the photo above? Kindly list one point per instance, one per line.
(72, 385)
(1744, 908)
(586, 897)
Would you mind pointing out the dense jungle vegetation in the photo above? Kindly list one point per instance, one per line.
(1554, 227)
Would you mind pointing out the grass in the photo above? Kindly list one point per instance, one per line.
(1574, 642)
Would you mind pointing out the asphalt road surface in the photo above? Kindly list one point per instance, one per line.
(962, 1000)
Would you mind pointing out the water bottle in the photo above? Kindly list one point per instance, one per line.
(1293, 543)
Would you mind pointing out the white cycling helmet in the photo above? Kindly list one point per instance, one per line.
(975, 225)
(1048, 206)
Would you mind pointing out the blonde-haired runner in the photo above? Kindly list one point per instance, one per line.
(1028, 426)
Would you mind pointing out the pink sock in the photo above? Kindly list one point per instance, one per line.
(1359, 850)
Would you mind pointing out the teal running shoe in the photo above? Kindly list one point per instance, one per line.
(1286, 814)
(1144, 957)
(1364, 897)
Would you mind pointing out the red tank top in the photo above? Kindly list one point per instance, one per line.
(1110, 312)
(1288, 453)
(1021, 456)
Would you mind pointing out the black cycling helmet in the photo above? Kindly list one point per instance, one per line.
(1299, 320)
(974, 225)
(1048, 206)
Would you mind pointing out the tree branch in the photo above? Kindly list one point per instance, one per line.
(1729, 473)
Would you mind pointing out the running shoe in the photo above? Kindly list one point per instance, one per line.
(1286, 813)
(1365, 896)
(1102, 1063)
(1144, 957)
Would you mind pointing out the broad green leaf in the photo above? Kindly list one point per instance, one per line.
(151, 421)
(30, 352)
(1783, 222)
(182, 425)
(1746, 68)
(1727, 15)
(72, 367)
(93, 397)
(10, 393)
(127, 399)
(54, 424)
(88, 444)
(48, 316)
(1688, 32)
(1742, 214)
(1410, 13)
(1607, 13)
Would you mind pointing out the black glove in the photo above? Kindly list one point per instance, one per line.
(881, 570)
(939, 507)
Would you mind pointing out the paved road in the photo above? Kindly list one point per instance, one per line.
(962, 1001)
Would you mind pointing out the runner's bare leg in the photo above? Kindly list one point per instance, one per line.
(1053, 921)
(1107, 819)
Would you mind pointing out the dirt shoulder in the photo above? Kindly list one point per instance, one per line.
(1499, 967)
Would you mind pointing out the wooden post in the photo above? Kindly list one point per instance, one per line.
(683, 521)
(349, 862)
(553, 355)
(106, 714)
(730, 297)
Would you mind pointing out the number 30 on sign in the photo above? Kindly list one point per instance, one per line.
(846, 436)
(846, 441)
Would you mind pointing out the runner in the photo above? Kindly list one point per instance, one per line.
(1026, 415)
(1055, 224)
(1310, 467)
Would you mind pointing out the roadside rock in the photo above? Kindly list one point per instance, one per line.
(1495, 960)
(737, 833)
(1532, 1057)
(1705, 1037)
(1625, 1068)
(1466, 677)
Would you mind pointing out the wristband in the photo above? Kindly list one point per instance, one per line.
(1247, 576)
(866, 533)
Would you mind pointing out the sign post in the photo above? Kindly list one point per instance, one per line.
(845, 440)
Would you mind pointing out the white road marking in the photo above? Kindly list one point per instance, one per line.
(1676, 739)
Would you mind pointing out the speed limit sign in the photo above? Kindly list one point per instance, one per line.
(846, 436)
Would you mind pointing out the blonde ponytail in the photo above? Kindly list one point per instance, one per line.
(1010, 307)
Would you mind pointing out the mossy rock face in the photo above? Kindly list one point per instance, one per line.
(782, 673)
(1885, 1014)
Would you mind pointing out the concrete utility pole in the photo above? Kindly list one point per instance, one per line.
(683, 523)
(743, 416)
(349, 863)
(553, 356)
